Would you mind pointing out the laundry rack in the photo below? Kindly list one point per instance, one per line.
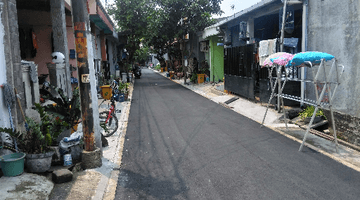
(325, 86)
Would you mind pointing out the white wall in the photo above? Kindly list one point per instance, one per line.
(4, 116)
(334, 28)
(111, 45)
(97, 47)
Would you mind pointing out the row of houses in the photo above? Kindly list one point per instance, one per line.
(232, 49)
(30, 31)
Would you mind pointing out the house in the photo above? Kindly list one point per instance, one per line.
(31, 31)
(242, 33)
(213, 48)
(327, 26)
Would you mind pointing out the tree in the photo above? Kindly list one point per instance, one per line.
(175, 18)
(159, 22)
(142, 54)
(131, 17)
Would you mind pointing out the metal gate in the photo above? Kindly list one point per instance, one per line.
(239, 70)
(244, 77)
(291, 87)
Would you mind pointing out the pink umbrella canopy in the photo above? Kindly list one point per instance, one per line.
(280, 58)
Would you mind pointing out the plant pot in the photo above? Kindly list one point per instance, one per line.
(200, 78)
(316, 119)
(126, 96)
(12, 164)
(38, 163)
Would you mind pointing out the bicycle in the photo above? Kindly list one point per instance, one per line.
(108, 119)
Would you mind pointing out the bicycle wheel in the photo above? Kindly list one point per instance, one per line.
(111, 126)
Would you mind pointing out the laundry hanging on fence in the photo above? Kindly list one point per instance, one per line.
(314, 57)
(266, 48)
(280, 58)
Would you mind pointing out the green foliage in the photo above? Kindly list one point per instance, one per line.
(123, 87)
(141, 55)
(308, 112)
(158, 23)
(193, 77)
(40, 136)
(66, 110)
(157, 67)
(53, 120)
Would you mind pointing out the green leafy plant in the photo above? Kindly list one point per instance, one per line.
(193, 77)
(66, 110)
(40, 135)
(308, 112)
(157, 67)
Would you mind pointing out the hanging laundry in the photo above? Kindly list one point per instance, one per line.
(266, 48)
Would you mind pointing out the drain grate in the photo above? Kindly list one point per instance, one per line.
(231, 100)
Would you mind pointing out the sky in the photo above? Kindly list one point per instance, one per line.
(225, 6)
(239, 5)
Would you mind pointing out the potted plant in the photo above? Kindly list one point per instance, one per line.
(36, 141)
(307, 113)
(126, 91)
(201, 75)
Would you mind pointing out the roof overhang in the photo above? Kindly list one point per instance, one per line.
(244, 12)
(99, 17)
(211, 31)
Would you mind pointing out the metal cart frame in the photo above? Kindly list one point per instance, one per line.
(327, 82)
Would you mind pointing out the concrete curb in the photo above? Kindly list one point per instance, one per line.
(107, 185)
(351, 165)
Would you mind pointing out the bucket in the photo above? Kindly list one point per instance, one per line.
(106, 92)
(200, 78)
(12, 164)
(121, 98)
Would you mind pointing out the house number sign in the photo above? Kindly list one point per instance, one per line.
(85, 78)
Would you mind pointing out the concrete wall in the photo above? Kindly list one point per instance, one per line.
(334, 28)
(71, 43)
(11, 56)
(40, 21)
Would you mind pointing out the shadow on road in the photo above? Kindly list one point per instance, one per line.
(145, 186)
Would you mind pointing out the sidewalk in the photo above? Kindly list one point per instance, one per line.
(98, 183)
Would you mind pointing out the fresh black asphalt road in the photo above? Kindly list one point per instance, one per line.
(180, 145)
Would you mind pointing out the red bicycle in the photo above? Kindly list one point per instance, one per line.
(108, 119)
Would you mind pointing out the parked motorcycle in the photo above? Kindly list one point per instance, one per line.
(137, 71)
(45, 89)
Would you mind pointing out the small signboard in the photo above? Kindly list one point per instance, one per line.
(85, 78)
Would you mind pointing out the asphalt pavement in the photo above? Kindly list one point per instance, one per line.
(180, 145)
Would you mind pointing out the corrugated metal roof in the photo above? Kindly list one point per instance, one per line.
(245, 11)
(210, 32)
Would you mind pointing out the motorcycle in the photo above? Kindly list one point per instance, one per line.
(137, 71)
(45, 89)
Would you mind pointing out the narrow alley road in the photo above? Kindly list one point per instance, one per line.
(180, 145)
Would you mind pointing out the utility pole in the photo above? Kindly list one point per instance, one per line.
(91, 157)
(283, 27)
